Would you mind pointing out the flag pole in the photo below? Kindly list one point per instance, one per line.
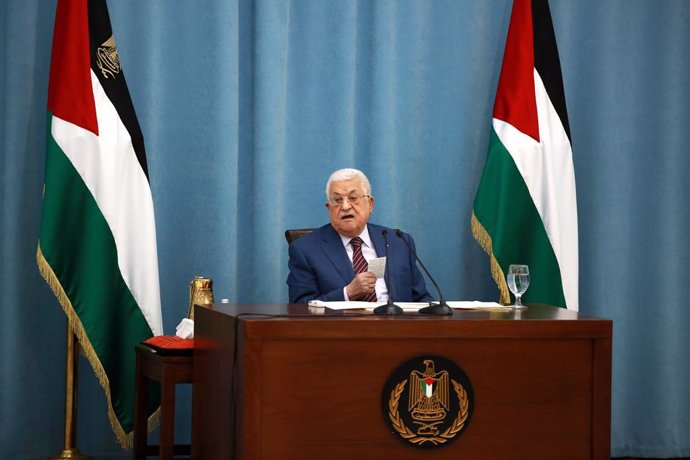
(70, 450)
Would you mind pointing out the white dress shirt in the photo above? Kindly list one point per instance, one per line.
(369, 253)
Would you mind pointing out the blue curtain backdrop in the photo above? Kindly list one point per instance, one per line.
(247, 106)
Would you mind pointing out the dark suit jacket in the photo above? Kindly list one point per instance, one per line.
(320, 268)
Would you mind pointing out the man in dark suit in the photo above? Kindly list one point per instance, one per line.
(325, 264)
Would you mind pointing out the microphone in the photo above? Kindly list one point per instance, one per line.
(440, 308)
(390, 308)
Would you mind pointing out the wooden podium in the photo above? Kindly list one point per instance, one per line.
(295, 383)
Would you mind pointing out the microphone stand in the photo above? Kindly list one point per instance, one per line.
(440, 308)
(390, 308)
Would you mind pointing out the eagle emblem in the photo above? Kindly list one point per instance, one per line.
(107, 58)
(428, 401)
(425, 406)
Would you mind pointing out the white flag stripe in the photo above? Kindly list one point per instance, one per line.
(547, 169)
(560, 218)
(109, 167)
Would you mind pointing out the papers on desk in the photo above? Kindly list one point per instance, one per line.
(473, 305)
(406, 306)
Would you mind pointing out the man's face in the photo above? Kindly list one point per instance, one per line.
(349, 219)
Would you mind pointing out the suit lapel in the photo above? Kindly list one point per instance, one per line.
(332, 247)
(379, 244)
(377, 239)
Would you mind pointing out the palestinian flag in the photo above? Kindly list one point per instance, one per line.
(97, 246)
(525, 210)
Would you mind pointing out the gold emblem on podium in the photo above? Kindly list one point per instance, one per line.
(428, 401)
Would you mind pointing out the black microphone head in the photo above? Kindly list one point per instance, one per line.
(399, 232)
(385, 232)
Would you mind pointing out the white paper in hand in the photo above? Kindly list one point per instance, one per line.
(377, 266)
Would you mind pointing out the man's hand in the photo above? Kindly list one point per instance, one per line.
(360, 287)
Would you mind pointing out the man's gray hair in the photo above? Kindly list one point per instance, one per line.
(348, 174)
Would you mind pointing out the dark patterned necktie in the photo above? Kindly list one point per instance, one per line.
(360, 264)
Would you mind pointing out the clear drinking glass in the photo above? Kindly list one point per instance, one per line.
(518, 282)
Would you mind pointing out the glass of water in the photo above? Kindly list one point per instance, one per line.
(518, 282)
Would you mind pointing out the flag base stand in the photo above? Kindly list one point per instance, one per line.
(69, 452)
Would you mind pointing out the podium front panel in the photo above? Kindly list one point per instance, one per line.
(310, 386)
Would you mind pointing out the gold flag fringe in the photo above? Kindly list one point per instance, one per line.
(125, 439)
(482, 236)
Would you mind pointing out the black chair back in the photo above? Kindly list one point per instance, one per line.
(296, 233)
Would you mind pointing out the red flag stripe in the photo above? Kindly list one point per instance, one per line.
(70, 96)
(515, 97)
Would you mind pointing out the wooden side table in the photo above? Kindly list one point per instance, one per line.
(169, 370)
